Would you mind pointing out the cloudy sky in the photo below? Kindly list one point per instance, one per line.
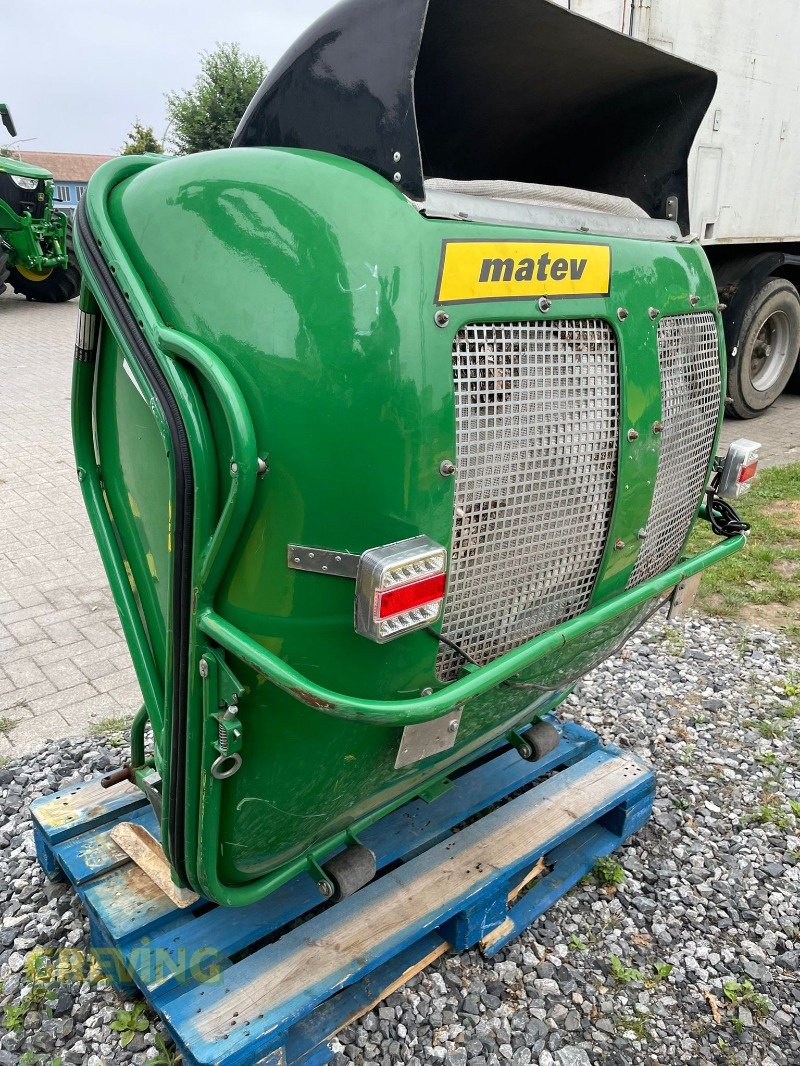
(77, 77)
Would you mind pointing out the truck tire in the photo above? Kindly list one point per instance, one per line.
(53, 286)
(3, 272)
(767, 349)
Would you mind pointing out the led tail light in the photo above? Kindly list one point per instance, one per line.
(400, 587)
(739, 468)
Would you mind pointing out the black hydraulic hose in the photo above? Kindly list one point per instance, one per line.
(182, 536)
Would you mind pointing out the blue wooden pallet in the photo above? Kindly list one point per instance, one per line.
(272, 983)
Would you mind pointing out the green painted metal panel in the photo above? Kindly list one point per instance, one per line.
(299, 288)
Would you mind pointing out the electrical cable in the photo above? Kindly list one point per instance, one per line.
(566, 683)
(724, 518)
(451, 644)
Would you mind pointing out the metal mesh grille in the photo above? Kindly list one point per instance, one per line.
(537, 417)
(688, 356)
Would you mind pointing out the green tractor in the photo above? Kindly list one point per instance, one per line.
(36, 256)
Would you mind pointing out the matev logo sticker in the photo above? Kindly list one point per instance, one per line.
(521, 270)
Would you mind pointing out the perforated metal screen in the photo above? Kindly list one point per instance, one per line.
(537, 426)
(688, 355)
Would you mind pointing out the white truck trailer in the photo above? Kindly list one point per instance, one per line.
(744, 171)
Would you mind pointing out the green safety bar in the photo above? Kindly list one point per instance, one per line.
(477, 681)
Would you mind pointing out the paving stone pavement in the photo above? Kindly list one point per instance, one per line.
(777, 430)
(63, 660)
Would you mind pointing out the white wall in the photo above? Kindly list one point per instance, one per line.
(744, 173)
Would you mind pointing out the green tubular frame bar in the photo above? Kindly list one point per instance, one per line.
(215, 541)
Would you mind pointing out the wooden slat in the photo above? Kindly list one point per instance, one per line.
(94, 853)
(83, 807)
(146, 852)
(127, 902)
(273, 986)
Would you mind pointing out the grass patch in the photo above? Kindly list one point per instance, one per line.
(110, 725)
(742, 994)
(7, 725)
(637, 1027)
(760, 584)
(607, 871)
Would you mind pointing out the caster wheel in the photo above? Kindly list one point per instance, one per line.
(541, 738)
(350, 870)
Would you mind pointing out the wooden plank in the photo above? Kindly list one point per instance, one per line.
(83, 807)
(410, 830)
(94, 853)
(272, 987)
(354, 1001)
(144, 850)
(127, 902)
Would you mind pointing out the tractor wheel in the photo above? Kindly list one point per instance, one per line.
(3, 272)
(52, 286)
(767, 350)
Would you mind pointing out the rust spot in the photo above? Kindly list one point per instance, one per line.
(311, 701)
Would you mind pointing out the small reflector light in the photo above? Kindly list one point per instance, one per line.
(400, 587)
(738, 469)
(747, 473)
(405, 597)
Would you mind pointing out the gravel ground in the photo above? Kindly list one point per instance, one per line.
(691, 958)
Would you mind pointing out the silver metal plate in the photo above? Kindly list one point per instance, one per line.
(683, 597)
(688, 356)
(537, 431)
(464, 207)
(429, 738)
(322, 561)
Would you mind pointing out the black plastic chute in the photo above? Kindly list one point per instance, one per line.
(517, 90)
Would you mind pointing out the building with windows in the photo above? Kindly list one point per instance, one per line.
(71, 173)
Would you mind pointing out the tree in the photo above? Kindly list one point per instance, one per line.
(141, 139)
(206, 116)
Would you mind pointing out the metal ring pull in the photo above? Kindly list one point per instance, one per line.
(222, 773)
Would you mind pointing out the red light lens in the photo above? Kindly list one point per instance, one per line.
(747, 473)
(394, 601)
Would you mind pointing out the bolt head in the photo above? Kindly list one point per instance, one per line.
(234, 468)
(325, 888)
(544, 304)
(398, 178)
(694, 300)
(441, 318)
(653, 313)
(447, 468)
(619, 545)
(427, 692)
(658, 427)
(397, 157)
(453, 726)
(622, 313)
(203, 668)
(633, 434)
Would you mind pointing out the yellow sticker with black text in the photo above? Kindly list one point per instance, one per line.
(522, 270)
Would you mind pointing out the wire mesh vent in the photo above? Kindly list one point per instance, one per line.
(537, 425)
(688, 356)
